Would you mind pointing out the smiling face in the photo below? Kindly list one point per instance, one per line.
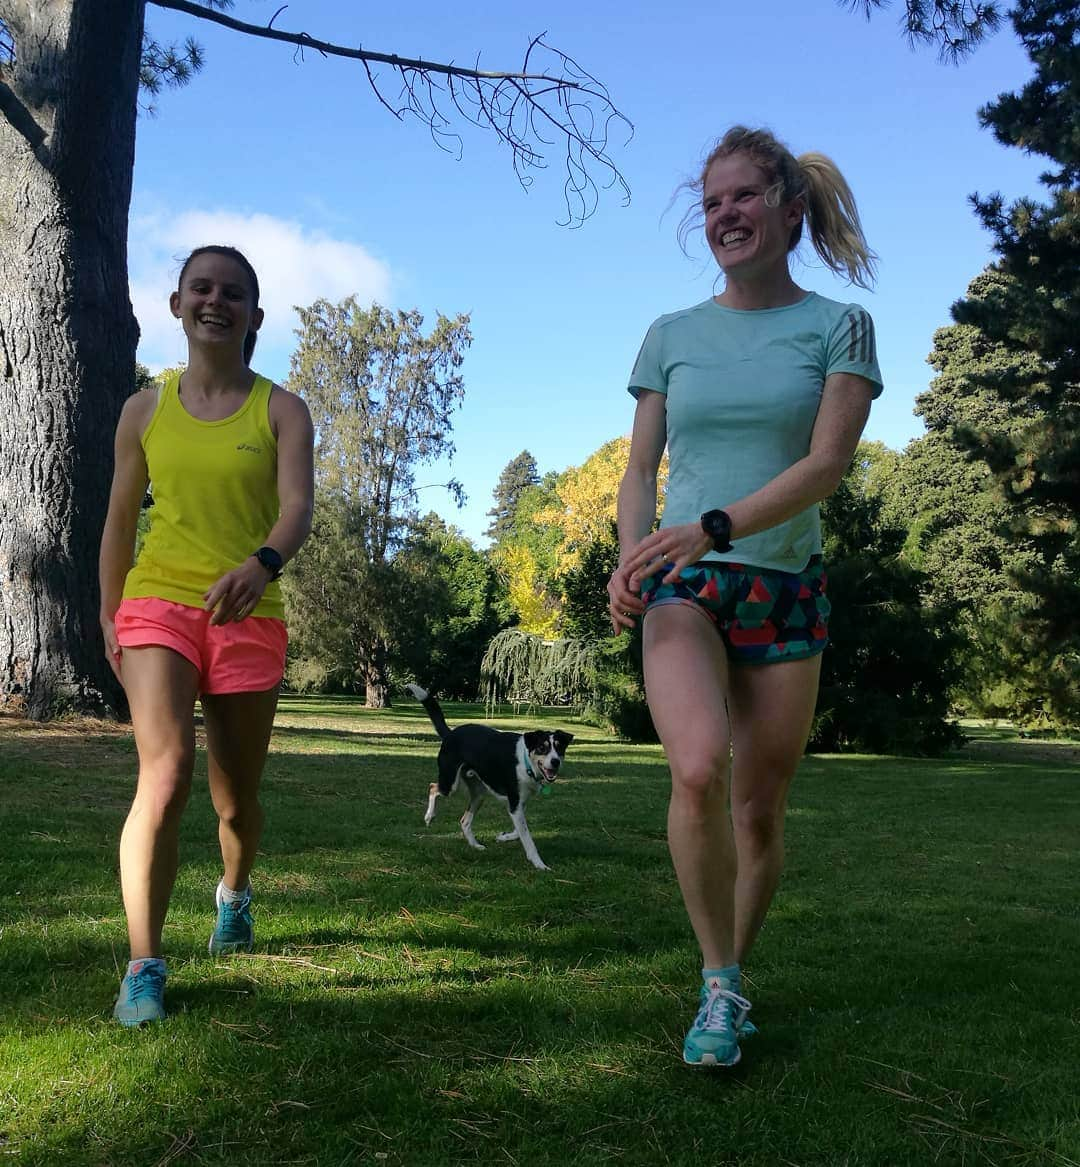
(744, 233)
(215, 301)
(546, 752)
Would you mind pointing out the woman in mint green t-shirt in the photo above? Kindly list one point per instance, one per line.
(760, 395)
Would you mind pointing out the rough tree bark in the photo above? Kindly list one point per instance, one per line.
(68, 105)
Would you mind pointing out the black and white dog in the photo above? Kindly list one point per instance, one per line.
(510, 766)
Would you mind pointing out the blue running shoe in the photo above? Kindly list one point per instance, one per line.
(235, 929)
(713, 1039)
(141, 993)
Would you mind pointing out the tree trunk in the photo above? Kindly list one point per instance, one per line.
(68, 108)
(376, 680)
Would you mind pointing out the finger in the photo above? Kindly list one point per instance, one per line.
(223, 614)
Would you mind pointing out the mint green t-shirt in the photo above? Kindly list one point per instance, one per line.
(743, 389)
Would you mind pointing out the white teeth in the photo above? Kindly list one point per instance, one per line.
(733, 237)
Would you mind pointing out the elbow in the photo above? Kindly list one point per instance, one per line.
(830, 473)
(640, 478)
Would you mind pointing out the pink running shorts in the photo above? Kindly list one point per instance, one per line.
(246, 656)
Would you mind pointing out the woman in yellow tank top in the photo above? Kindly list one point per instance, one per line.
(229, 456)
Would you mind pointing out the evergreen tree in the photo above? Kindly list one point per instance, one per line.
(381, 394)
(447, 635)
(890, 661)
(518, 475)
(1034, 314)
(955, 516)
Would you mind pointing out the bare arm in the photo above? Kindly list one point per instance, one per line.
(841, 416)
(129, 484)
(295, 473)
(237, 592)
(637, 502)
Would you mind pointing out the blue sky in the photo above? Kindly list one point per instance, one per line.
(299, 165)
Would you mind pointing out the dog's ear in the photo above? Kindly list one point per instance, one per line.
(562, 740)
(534, 739)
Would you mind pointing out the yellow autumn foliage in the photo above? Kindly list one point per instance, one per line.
(536, 610)
(587, 500)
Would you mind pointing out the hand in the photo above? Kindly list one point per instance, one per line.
(113, 651)
(624, 602)
(680, 546)
(234, 596)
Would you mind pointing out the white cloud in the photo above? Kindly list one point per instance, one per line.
(295, 265)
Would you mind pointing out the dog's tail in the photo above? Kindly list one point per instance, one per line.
(434, 711)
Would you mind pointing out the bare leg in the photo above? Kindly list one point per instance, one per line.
(772, 707)
(238, 729)
(161, 687)
(686, 680)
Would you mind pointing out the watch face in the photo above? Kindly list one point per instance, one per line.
(718, 527)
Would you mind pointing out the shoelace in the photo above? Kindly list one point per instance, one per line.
(232, 915)
(722, 1010)
(147, 982)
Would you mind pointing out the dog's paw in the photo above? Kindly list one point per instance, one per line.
(506, 837)
(541, 866)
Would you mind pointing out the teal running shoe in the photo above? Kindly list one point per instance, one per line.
(235, 929)
(713, 1039)
(142, 993)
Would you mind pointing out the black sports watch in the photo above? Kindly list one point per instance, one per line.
(717, 525)
(271, 560)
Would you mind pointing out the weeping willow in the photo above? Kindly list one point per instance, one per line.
(521, 668)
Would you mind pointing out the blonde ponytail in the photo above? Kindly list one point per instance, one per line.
(833, 221)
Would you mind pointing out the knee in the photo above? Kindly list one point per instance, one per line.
(165, 785)
(701, 783)
(759, 827)
(237, 813)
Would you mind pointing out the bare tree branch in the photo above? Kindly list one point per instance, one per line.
(527, 110)
(21, 119)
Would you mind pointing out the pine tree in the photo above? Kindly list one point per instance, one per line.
(518, 475)
(1034, 312)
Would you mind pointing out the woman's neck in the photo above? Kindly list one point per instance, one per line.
(775, 290)
(212, 373)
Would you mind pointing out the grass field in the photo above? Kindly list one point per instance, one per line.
(411, 1001)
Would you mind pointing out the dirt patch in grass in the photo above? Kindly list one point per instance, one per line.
(71, 742)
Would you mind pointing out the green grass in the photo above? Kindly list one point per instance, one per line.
(412, 1001)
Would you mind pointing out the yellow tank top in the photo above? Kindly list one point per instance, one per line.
(215, 498)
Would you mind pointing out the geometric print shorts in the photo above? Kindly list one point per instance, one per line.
(762, 616)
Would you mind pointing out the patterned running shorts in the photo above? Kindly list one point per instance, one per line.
(762, 616)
